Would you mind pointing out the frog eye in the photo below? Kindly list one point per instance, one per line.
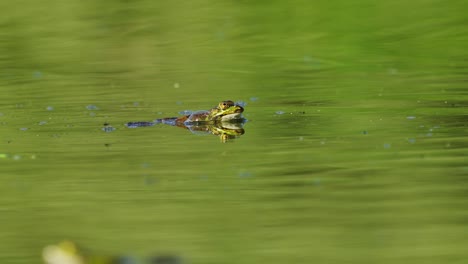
(225, 104)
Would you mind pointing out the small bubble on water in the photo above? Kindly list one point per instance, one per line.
(136, 104)
(387, 145)
(317, 181)
(176, 85)
(37, 74)
(220, 35)
(410, 117)
(50, 108)
(92, 107)
(411, 140)
(245, 174)
(149, 180)
(24, 128)
(241, 103)
(364, 132)
(253, 99)
(185, 112)
(16, 157)
(203, 177)
(392, 71)
(145, 165)
(42, 123)
(279, 112)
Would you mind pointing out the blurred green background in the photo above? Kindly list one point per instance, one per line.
(355, 150)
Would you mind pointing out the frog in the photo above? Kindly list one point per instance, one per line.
(225, 120)
(226, 111)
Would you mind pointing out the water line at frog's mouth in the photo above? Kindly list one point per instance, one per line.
(232, 116)
(239, 109)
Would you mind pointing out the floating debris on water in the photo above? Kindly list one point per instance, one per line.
(108, 128)
(15, 156)
(139, 124)
(67, 252)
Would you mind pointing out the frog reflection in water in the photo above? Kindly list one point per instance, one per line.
(225, 120)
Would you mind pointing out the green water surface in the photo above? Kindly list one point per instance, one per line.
(355, 149)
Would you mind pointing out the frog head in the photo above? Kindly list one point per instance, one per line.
(225, 111)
